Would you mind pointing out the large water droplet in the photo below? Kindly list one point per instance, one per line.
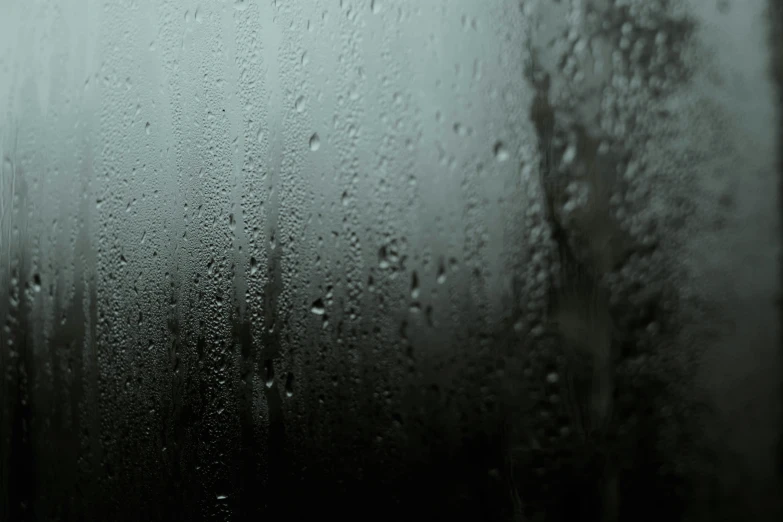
(501, 153)
(441, 272)
(289, 385)
(300, 104)
(315, 142)
(269, 379)
(318, 307)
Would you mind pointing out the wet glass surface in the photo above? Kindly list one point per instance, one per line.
(390, 260)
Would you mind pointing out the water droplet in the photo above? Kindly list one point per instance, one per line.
(552, 377)
(260, 135)
(269, 381)
(501, 153)
(253, 266)
(289, 385)
(305, 59)
(460, 129)
(221, 497)
(375, 6)
(569, 155)
(240, 5)
(315, 142)
(36, 282)
(300, 106)
(318, 307)
(441, 272)
(388, 256)
(147, 127)
(414, 286)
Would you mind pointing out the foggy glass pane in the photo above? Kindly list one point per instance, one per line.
(390, 260)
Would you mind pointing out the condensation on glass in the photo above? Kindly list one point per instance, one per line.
(487, 260)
